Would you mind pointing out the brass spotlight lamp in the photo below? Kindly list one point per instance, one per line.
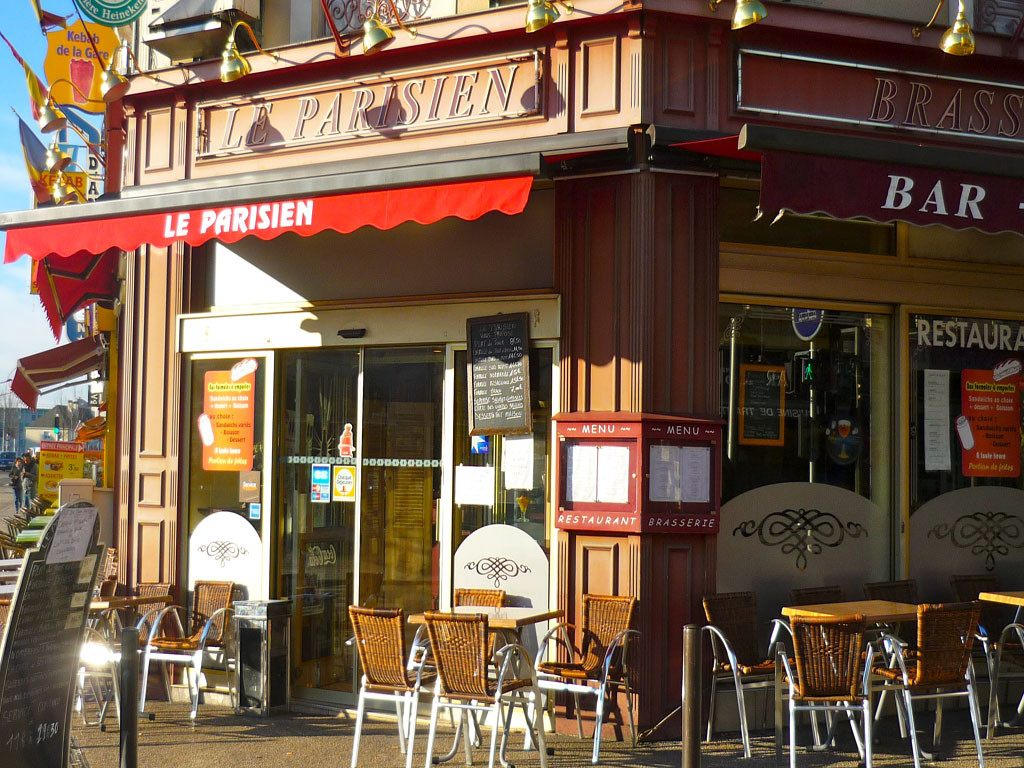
(543, 13)
(62, 192)
(233, 65)
(56, 159)
(376, 35)
(745, 13)
(958, 40)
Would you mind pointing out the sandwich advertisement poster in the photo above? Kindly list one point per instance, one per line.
(226, 424)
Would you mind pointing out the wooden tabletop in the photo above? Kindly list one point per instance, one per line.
(107, 603)
(501, 618)
(1006, 598)
(871, 610)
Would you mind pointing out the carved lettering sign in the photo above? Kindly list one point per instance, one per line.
(793, 86)
(459, 95)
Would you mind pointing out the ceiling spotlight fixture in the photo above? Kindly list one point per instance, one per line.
(543, 13)
(233, 65)
(958, 40)
(62, 192)
(377, 36)
(56, 159)
(745, 13)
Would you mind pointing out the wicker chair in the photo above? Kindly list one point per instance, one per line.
(5, 612)
(211, 607)
(600, 667)
(904, 591)
(816, 595)
(492, 598)
(732, 624)
(459, 646)
(940, 669)
(380, 641)
(832, 674)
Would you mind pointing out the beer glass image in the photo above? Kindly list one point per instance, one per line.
(82, 71)
(963, 431)
(205, 429)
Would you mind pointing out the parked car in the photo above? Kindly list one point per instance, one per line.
(7, 459)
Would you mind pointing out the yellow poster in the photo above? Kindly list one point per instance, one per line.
(71, 61)
(58, 461)
(343, 483)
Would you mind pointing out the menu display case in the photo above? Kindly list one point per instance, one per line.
(638, 473)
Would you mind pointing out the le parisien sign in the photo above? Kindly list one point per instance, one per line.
(458, 95)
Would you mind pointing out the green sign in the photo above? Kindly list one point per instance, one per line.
(112, 13)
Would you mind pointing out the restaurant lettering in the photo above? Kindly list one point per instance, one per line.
(970, 334)
(468, 94)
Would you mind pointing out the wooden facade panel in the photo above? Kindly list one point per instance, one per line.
(151, 489)
(677, 74)
(152, 549)
(602, 294)
(159, 154)
(154, 353)
(599, 81)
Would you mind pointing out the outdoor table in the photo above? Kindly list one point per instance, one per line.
(1015, 599)
(7, 590)
(873, 611)
(9, 570)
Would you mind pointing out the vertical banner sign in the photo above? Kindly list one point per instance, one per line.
(58, 461)
(989, 427)
(227, 421)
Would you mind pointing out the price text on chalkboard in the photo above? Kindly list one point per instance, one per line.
(499, 374)
(762, 404)
(41, 655)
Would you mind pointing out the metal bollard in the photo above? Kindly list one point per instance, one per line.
(691, 696)
(129, 698)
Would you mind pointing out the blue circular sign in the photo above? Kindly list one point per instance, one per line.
(807, 322)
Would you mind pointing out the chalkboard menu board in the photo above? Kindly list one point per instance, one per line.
(40, 654)
(762, 404)
(499, 374)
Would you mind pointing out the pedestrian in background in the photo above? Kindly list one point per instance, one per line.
(15, 476)
(29, 478)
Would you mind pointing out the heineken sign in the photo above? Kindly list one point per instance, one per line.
(112, 13)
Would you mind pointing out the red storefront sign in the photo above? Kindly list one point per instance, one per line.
(989, 427)
(227, 421)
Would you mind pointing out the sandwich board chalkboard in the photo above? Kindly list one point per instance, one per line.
(499, 374)
(42, 643)
(762, 404)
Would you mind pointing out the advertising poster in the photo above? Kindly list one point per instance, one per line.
(226, 423)
(343, 483)
(989, 426)
(71, 59)
(57, 461)
(320, 483)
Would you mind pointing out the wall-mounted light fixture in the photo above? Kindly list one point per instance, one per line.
(61, 192)
(542, 13)
(352, 333)
(377, 36)
(233, 65)
(958, 40)
(56, 159)
(745, 13)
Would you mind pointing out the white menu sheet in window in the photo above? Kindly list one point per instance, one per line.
(936, 421)
(581, 473)
(517, 461)
(696, 464)
(613, 474)
(474, 485)
(666, 473)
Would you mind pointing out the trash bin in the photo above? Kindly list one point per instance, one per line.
(262, 637)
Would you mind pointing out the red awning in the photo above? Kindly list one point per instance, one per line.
(266, 220)
(67, 284)
(56, 366)
(847, 189)
(723, 146)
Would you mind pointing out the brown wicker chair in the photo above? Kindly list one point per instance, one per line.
(491, 598)
(832, 674)
(380, 641)
(940, 669)
(600, 667)
(904, 591)
(732, 624)
(464, 683)
(5, 612)
(816, 595)
(209, 619)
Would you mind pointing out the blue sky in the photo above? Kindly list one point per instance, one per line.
(25, 328)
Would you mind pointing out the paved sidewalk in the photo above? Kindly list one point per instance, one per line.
(220, 739)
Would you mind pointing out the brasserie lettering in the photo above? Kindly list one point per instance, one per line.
(968, 110)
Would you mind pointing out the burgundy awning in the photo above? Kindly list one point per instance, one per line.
(722, 146)
(57, 366)
(847, 189)
(66, 284)
(267, 219)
